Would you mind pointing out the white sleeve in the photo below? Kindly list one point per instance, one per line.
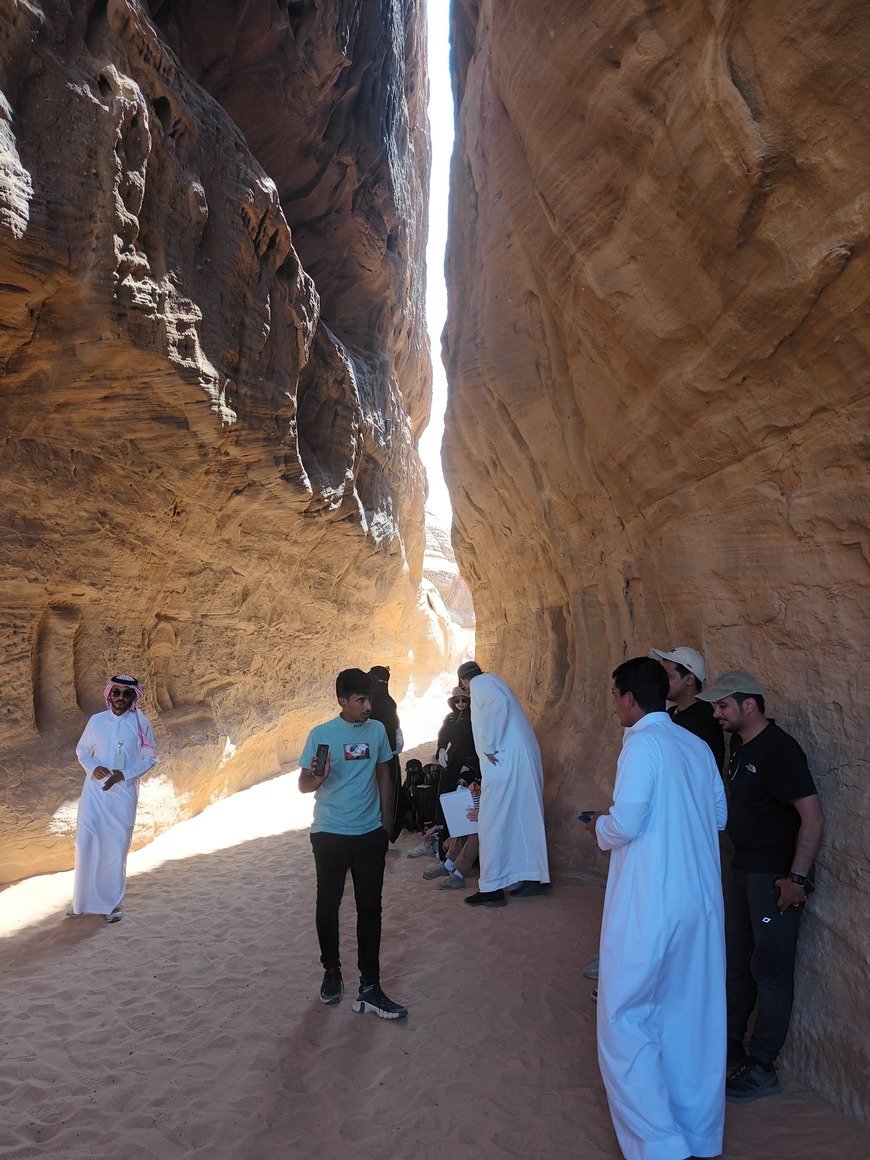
(147, 757)
(721, 801)
(85, 749)
(632, 795)
(489, 714)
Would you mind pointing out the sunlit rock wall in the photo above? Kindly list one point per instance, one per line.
(214, 373)
(439, 566)
(657, 420)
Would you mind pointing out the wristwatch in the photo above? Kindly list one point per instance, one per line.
(798, 879)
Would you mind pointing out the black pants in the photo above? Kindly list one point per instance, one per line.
(760, 946)
(364, 855)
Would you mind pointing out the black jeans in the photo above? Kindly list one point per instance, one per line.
(760, 946)
(364, 855)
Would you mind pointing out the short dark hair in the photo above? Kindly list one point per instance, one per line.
(756, 697)
(350, 681)
(684, 672)
(646, 679)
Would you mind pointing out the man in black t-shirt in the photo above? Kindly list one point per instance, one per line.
(687, 671)
(775, 823)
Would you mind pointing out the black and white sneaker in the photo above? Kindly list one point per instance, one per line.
(372, 998)
(752, 1082)
(736, 1058)
(331, 988)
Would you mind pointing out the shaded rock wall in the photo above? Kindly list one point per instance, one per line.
(657, 420)
(214, 372)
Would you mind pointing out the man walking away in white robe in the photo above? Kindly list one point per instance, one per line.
(116, 748)
(661, 999)
(513, 843)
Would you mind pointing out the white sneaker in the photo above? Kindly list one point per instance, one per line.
(427, 846)
(455, 882)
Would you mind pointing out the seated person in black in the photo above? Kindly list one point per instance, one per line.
(456, 738)
(775, 823)
(687, 671)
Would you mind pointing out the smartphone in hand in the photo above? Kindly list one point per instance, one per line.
(320, 759)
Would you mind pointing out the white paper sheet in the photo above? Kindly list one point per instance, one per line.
(454, 805)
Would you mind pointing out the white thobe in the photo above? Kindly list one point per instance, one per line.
(105, 819)
(661, 993)
(513, 844)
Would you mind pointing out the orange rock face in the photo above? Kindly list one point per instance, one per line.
(657, 361)
(215, 371)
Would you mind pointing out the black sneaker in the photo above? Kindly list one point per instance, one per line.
(736, 1059)
(372, 998)
(530, 889)
(752, 1082)
(331, 988)
(486, 898)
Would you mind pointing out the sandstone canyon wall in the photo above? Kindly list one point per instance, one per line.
(440, 567)
(656, 431)
(214, 374)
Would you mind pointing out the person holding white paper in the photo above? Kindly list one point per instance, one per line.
(463, 849)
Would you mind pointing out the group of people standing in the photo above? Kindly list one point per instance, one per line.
(680, 979)
(680, 974)
(354, 814)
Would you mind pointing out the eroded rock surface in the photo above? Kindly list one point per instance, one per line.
(657, 420)
(214, 375)
(440, 567)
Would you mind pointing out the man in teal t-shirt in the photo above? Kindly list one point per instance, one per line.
(352, 805)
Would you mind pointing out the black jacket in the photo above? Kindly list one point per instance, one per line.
(456, 737)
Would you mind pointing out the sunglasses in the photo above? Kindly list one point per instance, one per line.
(461, 700)
(127, 694)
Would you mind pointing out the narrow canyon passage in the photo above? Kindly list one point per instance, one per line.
(193, 1029)
(216, 376)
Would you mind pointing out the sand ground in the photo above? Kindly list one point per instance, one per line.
(193, 1028)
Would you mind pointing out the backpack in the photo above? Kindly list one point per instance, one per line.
(426, 795)
(408, 815)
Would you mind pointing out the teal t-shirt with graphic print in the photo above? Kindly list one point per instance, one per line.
(349, 801)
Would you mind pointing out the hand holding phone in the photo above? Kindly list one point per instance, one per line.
(320, 765)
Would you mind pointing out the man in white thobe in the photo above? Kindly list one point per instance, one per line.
(513, 843)
(116, 748)
(661, 998)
